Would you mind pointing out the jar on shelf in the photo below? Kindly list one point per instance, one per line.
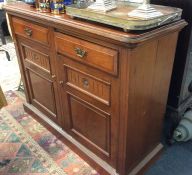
(44, 6)
(57, 6)
(30, 2)
(68, 2)
(83, 3)
(37, 4)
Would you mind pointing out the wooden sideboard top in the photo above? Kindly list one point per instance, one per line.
(64, 21)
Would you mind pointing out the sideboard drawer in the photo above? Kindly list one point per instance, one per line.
(37, 58)
(88, 84)
(30, 30)
(97, 56)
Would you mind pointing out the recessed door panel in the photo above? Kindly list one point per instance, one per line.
(46, 98)
(42, 93)
(89, 125)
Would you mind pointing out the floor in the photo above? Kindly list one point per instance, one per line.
(28, 148)
(9, 70)
(175, 160)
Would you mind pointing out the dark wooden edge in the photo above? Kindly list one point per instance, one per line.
(37, 116)
(141, 168)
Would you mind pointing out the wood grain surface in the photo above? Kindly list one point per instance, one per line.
(104, 89)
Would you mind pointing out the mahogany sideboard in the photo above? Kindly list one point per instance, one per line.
(103, 89)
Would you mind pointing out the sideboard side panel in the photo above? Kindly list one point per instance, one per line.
(149, 77)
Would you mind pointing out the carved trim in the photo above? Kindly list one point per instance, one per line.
(37, 58)
(96, 88)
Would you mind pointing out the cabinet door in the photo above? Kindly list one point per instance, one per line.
(40, 79)
(90, 101)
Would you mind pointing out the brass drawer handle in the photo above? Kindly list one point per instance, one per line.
(61, 83)
(85, 82)
(80, 52)
(28, 31)
(35, 57)
(53, 76)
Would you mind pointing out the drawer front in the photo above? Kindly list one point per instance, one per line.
(88, 84)
(88, 53)
(37, 58)
(30, 30)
